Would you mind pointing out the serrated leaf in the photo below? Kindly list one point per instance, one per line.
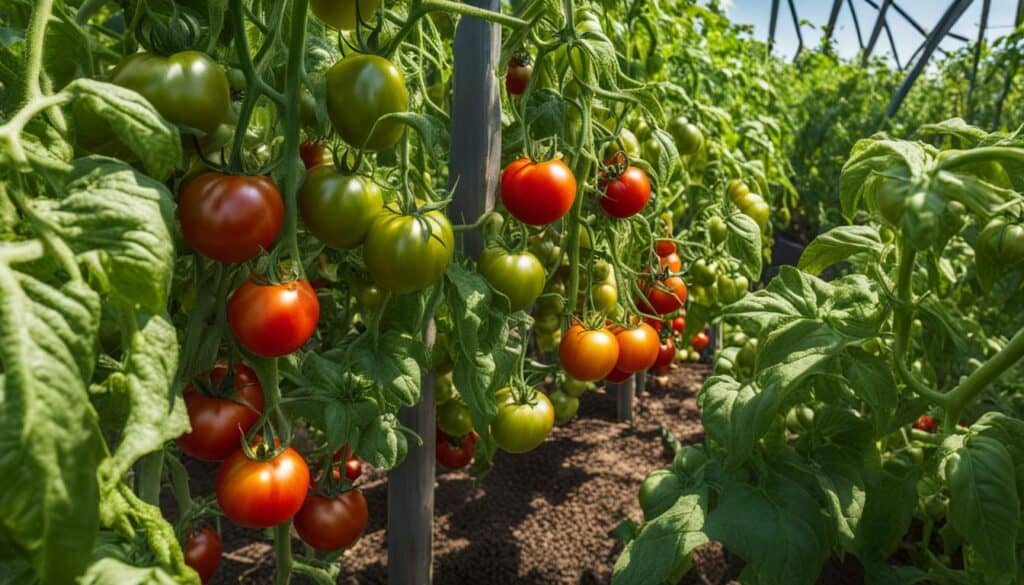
(383, 444)
(117, 221)
(392, 364)
(839, 245)
(744, 244)
(664, 546)
(109, 570)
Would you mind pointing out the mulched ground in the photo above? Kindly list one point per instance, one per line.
(543, 518)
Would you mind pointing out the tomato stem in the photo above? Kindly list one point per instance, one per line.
(150, 473)
(283, 543)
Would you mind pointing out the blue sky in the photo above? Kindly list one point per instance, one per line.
(925, 12)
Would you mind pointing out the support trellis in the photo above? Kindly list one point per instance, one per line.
(473, 170)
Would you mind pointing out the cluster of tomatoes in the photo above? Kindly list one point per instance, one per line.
(271, 488)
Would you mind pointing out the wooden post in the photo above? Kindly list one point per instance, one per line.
(624, 392)
(474, 168)
(877, 30)
(953, 14)
(641, 382)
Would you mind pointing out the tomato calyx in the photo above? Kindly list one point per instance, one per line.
(521, 58)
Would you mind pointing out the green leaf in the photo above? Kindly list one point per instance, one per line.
(664, 545)
(787, 545)
(478, 315)
(49, 437)
(545, 113)
(157, 412)
(109, 570)
(383, 444)
(392, 364)
(871, 380)
(839, 477)
(872, 156)
(117, 221)
(345, 420)
(839, 245)
(122, 511)
(107, 109)
(888, 508)
(984, 506)
(744, 244)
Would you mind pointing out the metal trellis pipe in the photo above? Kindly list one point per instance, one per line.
(875, 31)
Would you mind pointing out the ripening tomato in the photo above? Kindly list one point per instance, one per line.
(360, 90)
(338, 209)
(638, 348)
(272, 320)
(616, 376)
(517, 77)
(333, 523)
(520, 277)
(700, 341)
(219, 423)
(408, 252)
(314, 154)
(353, 464)
(261, 494)
(588, 355)
(538, 193)
(627, 194)
(925, 423)
(664, 248)
(188, 88)
(454, 452)
(679, 324)
(230, 218)
(665, 296)
(666, 353)
(521, 427)
(343, 13)
(202, 552)
(656, 324)
(718, 230)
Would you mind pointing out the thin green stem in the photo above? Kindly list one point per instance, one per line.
(179, 486)
(996, 366)
(48, 233)
(428, 6)
(582, 170)
(10, 133)
(985, 153)
(294, 72)
(901, 324)
(87, 9)
(36, 36)
(283, 545)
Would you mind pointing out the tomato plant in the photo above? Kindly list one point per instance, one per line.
(525, 417)
(230, 218)
(202, 552)
(260, 494)
(455, 452)
(218, 421)
(588, 355)
(332, 523)
(339, 209)
(538, 193)
(273, 319)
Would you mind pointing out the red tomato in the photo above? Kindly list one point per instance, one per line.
(665, 296)
(455, 452)
(700, 341)
(616, 376)
(314, 154)
(655, 323)
(679, 324)
(664, 247)
(332, 523)
(666, 353)
(518, 76)
(261, 494)
(272, 320)
(219, 423)
(925, 423)
(638, 348)
(202, 552)
(538, 193)
(588, 355)
(230, 218)
(626, 195)
(353, 464)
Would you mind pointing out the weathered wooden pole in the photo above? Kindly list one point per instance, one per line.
(624, 392)
(953, 14)
(474, 168)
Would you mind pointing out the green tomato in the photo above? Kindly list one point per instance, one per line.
(188, 88)
(440, 360)
(236, 79)
(454, 418)
(891, 200)
(651, 150)
(627, 143)
(604, 296)
(747, 356)
(339, 209)
(703, 272)
(565, 406)
(1001, 242)
(659, 491)
(360, 90)
(688, 136)
(519, 428)
(370, 298)
(572, 387)
(342, 13)
(756, 208)
(718, 231)
(444, 390)
(738, 190)
(547, 342)
(408, 252)
(520, 277)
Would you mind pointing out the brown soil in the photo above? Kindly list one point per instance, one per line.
(545, 517)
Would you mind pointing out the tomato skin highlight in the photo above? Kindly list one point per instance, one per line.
(218, 424)
(538, 193)
(638, 348)
(360, 90)
(454, 455)
(588, 355)
(261, 494)
(338, 209)
(273, 320)
(925, 423)
(202, 552)
(188, 88)
(626, 195)
(332, 523)
(519, 428)
(400, 256)
(230, 218)
(520, 277)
